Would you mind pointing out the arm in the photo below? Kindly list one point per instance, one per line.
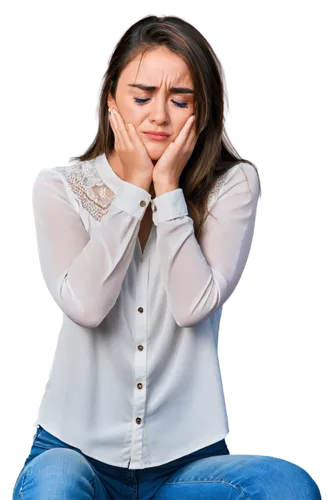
(84, 274)
(200, 278)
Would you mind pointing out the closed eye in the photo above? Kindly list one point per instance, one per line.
(137, 100)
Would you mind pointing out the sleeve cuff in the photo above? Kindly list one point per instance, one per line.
(169, 205)
(132, 199)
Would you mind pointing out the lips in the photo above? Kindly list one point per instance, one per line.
(159, 134)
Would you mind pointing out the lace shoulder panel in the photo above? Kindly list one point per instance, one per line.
(87, 185)
(212, 197)
(226, 177)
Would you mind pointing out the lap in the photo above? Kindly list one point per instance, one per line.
(55, 466)
(239, 477)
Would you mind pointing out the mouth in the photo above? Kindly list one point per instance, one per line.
(157, 136)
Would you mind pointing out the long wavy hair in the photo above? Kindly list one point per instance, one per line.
(213, 154)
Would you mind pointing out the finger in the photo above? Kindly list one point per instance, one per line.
(130, 134)
(124, 139)
(113, 125)
(192, 135)
(181, 139)
(192, 143)
(187, 133)
(134, 136)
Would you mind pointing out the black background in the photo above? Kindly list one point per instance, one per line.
(272, 348)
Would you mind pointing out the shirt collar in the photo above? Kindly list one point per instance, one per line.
(106, 172)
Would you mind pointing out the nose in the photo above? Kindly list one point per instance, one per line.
(158, 111)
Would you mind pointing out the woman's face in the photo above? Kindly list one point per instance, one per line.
(162, 109)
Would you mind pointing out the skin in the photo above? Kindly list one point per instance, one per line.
(164, 69)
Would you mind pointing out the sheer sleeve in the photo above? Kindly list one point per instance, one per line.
(84, 274)
(200, 278)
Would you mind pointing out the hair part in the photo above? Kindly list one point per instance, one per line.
(213, 154)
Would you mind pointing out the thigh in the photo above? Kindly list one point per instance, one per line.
(239, 477)
(56, 470)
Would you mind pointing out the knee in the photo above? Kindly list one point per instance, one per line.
(62, 461)
(60, 470)
(298, 479)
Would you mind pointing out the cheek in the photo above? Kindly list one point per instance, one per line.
(136, 116)
(130, 112)
(180, 122)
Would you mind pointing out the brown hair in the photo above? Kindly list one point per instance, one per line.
(213, 154)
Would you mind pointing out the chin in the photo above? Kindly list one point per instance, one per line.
(156, 149)
(153, 154)
(155, 157)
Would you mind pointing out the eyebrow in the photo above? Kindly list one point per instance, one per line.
(151, 88)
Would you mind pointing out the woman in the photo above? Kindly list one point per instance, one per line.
(141, 242)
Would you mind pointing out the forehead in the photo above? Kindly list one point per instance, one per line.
(157, 67)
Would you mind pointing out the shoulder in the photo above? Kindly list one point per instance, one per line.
(80, 183)
(243, 175)
(51, 177)
(72, 173)
(80, 174)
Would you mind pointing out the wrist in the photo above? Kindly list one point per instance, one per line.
(159, 190)
(144, 184)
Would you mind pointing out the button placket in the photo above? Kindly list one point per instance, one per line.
(140, 371)
(153, 206)
(140, 347)
(140, 385)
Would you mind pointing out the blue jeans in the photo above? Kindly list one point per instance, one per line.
(55, 470)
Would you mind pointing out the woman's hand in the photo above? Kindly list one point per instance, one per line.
(133, 154)
(135, 158)
(169, 167)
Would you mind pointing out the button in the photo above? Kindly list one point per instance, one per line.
(139, 385)
(154, 208)
(140, 347)
(138, 420)
(143, 203)
(140, 309)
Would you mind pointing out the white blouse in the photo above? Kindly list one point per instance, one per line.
(135, 380)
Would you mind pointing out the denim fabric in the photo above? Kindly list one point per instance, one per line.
(55, 470)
